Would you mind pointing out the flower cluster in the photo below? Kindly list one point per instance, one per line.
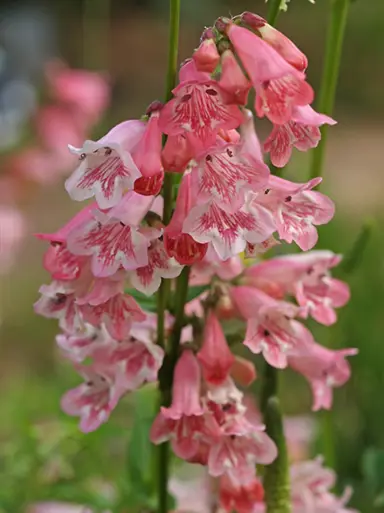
(227, 203)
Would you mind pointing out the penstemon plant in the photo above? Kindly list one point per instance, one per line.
(186, 208)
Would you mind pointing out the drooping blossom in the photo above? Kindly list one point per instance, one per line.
(58, 301)
(279, 86)
(281, 43)
(106, 166)
(93, 400)
(185, 422)
(198, 108)
(229, 232)
(297, 210)
(178, 244)
(215, 355)
(147, 278)
(232, 79)
(300, 132)
(305, 276)
(325, 369)
(311, 485)
(115, 239)
(271, 328)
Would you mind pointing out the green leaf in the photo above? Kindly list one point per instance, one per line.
(147, 303)
(194, 292)
(373, 469)
(139, 454)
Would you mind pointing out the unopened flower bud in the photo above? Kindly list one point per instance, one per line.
(254, 21)
(208, 33)
(155, 106)
(221, 24)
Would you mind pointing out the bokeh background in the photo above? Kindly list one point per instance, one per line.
(42, 454)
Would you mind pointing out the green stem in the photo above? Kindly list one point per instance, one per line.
(354, 256)
(273, 11)
(166, 373)
(333, 51)
(276, 476)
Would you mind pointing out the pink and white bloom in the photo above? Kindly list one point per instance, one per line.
(229, 232)
(106, 168)
(202, 272)
(117, 314)
(58, 301)
(311, 483)
(147, 279)
(198, 109)
(271, 328)
(136, 361)
(225, 173)
(215, 356)
(94, 400)
(241, 446)
(281, 43)
(297, 210)
(83, 343)
(301, 132)
(185, 422)
(115, 239)
(325, 369)
(279, 86)
(177, 243)
(305, 276)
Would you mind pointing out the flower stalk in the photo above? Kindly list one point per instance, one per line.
(333, 52)
(165, 376)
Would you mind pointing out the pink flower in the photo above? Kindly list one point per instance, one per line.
(279, 86)
(177, 244)
(311, 484)
(225, 173)
(215, 356)
(271, 329)
(147, 279)
(106, 167)
(85, 91)
(198, 109)
(147, 154)
(176, 153)
(243, 371)
(94, 400)
(61, 263)
(297, 210)
(324, 369)
(232, 79)
(149, 185)
(241, 446)
(115, 239)
(136, 361)
(240, 497)
(12, 230)
(281, 43)
(57, 301)
(307, 277)
(206, 57)
(83, 343)
(229, 233)
(301, 132)
(117, 314)
(185, 421)
(211, 265)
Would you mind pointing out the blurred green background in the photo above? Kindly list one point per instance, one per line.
(42, 453)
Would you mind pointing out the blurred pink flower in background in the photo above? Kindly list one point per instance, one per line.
(12, 231)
